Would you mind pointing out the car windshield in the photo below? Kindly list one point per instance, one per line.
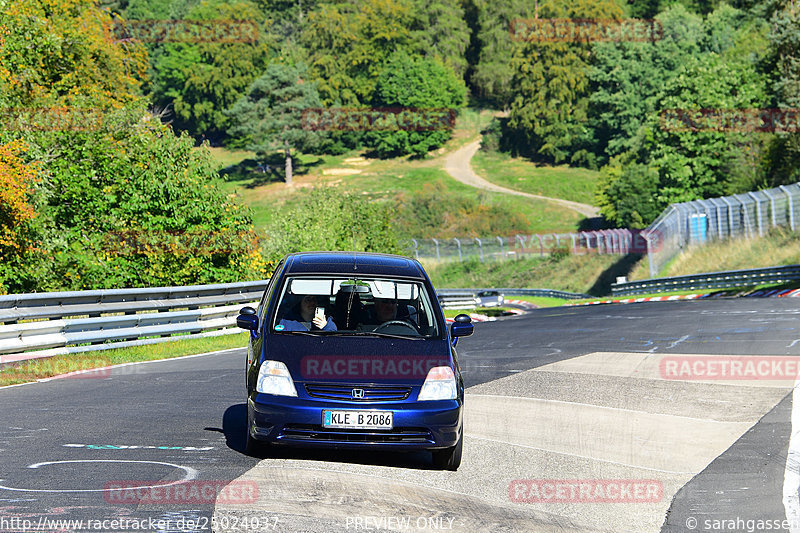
(355, 306)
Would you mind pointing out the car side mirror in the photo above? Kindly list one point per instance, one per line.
(247, 319)
(462, 327)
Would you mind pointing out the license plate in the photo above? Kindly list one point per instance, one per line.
(358, 419)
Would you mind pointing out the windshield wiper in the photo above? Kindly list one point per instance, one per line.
(298, 332)
(379, 334)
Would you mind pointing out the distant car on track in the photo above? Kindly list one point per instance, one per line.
(489, 299)
(351, 350)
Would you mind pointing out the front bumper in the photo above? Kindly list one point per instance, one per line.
(427, 425)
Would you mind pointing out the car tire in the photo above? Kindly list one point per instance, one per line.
(449, 458)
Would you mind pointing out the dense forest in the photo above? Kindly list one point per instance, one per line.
(100, 184)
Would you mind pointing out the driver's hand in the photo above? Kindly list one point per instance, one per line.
(320, 322)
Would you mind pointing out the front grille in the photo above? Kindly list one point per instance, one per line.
(345, 392)
(318, 433)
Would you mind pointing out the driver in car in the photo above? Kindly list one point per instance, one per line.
(386, 310)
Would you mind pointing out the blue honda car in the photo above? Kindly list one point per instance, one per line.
(351, 350)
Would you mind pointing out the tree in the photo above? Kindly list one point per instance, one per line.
(17, 179)
(492, 74)
(120, 201)
(784, 60)
(626, 79)
(270, 116)
(133, 205)
(687, 159)
(348, 44)
(439, 31)
(420, 84)
(630, 194)
(202, 80)
(548, 113)
(62, 53)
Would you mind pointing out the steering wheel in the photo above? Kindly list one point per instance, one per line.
(403, 323)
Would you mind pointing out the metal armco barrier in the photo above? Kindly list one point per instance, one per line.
(712, 280)
(465, 298)
(55, 323)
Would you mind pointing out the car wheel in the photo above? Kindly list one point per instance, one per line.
(450, 458)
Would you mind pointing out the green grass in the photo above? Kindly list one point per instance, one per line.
(34, 369)
(225, 158)
(567, 183)
(540, 301)
(588, 274)
(488, 311)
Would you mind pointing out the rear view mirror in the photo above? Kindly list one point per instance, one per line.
(462, 327)
(247, 319)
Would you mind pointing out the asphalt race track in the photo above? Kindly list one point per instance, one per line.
(573, 423)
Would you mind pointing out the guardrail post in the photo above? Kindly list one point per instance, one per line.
(521, 242)
(416, 249)
(458, 243)
(480, 247)
(730, 216)
(501, 247)
(774, 210)
(574, 246)
(758, 213)
(791, 207)
(650, 254)
(541, 246)
(435, 242)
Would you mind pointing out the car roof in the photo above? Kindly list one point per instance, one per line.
(353, 263)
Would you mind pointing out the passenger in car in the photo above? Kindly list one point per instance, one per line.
(301, 317)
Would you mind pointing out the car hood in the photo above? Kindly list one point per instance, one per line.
(335, 359)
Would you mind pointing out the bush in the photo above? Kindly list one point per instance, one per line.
(132, 205)
(325, 219)
(435, 212)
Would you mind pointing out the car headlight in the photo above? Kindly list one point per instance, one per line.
(274, 378)
(439, 385)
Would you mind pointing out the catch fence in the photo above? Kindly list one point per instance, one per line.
(702, 221)
(614, 241)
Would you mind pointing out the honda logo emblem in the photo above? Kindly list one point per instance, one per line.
(358, 394)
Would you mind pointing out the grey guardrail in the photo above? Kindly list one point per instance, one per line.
(710, 280)
(44, 324)
(465, 298)
(37, 325)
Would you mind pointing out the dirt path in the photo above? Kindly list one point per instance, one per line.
(458, 165)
